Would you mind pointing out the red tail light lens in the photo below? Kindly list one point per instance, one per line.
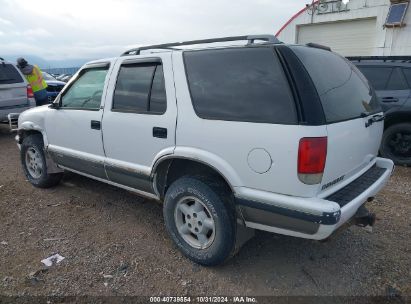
(312, 153)
(30, 93)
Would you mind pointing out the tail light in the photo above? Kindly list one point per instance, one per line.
(30, 93)
(312, 153)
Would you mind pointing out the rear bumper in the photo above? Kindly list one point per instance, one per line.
(312, 218)
(4, 111)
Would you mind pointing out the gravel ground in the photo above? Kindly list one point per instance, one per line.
(115, 243)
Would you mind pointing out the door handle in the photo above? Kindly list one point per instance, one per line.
(159, 132)
(389, 99)
(95, 124)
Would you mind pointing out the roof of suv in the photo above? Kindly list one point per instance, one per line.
(2, 60)
(213, 43)
(251, 39)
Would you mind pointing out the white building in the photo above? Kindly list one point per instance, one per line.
(356, 28)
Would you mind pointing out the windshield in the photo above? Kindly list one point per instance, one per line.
(344, 92)
(47, 76)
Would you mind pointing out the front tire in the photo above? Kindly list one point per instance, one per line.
(396, 144)
(34, 163)
(199, 222)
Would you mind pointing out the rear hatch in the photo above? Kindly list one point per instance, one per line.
(13, 89)
(351, 110)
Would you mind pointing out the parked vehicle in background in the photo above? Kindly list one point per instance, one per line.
(59, 77)
(66, 77)
(391, 79)
(262, 135)
(16, 94)
(54, 86)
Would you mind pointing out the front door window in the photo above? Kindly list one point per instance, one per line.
(86, 92)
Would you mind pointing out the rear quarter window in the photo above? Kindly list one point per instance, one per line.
(344, 92)
(239, 84)
(9, 74)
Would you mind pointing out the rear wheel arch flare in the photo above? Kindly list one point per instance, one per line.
(169, 170)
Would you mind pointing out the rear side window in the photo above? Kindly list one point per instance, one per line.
(344, 92)
(239, 84)
(377, 76)
(158, 100)
(140, 89)
(9, 74)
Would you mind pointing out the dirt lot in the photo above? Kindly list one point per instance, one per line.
(115, 243)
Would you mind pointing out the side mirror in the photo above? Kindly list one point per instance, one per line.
(55, 104)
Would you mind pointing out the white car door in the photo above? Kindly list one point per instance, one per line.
(74, 128)
(139, 118)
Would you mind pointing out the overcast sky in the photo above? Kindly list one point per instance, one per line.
(55, 29)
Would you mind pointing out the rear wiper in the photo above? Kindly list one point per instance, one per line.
(375, 118)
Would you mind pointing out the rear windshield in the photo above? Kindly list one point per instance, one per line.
(344, 92)
(239, 84)
(9, 74)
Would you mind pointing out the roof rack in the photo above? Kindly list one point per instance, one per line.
(383, 58)
(250, 38)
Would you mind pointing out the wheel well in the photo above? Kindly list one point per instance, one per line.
(170, 170)
(24, 133)
(397, 118)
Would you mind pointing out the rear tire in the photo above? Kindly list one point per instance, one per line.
(396, 144)
(34, 163)
(199, 222)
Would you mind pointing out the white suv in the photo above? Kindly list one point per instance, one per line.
(282, 138)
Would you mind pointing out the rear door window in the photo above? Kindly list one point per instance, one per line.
(377, 76)
(344, 92)
(9, 74)
(239, 84)
(158, 99)
(140, 88)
